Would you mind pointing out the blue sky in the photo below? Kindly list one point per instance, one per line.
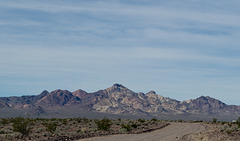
(181, 49)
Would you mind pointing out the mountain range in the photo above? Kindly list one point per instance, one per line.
(116, 101)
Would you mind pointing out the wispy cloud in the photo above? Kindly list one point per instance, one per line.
(177, 46)
(123, 22)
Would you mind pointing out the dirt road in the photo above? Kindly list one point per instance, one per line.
(173, 132)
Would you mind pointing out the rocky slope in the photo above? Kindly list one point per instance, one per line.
(118, 100)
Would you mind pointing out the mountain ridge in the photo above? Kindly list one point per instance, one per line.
(119, 100)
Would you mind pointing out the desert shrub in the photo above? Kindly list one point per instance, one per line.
(127, 127)
(78, 120)
(39, 130)
(96, 120)
(2, 132)
(238, 122)
(141, 120)
(223, 122)
(214, 120)
(9, 137)
(53, 119)
(85, 120)
(83, 130)
(104, 124)
(64, 121)
(117, 123)
(228, 128)
(180, 120)
(154, 119)
(5, 121)
(22, 126)
(229, 131)
(223, 127)
(51, 127)
(123, 130)
(134, 125)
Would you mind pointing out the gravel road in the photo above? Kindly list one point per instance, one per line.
(173, 132)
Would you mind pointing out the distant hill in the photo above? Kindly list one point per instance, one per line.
(116, 101)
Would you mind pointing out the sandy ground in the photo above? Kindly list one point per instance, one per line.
(173, 132)
(212, 133)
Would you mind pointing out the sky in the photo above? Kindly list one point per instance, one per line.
(180, 49)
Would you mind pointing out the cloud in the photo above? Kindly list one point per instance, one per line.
(65, 59)
(118, 23)
(177, 46)
(152, 12)
(98, 20)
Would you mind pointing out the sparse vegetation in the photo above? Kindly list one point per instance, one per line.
(22, 126)
(4, 121)
(64, 121)
(219, 131)
(104, 124)
(214, 120)
(127, 127)
(2, 132)
(154, 119)
(51, 127)
(71, 129)
(141, 120)
(230, 127)
(77, 128)
(134, 125)
(238, 122)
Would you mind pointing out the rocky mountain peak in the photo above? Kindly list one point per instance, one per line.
(80, 93)
(116, 85)
(59, 92)
(210, 100)
(44, 92)
(204, 98)
(151, 92)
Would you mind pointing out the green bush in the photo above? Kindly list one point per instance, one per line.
(22, 126)
(103, 124)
